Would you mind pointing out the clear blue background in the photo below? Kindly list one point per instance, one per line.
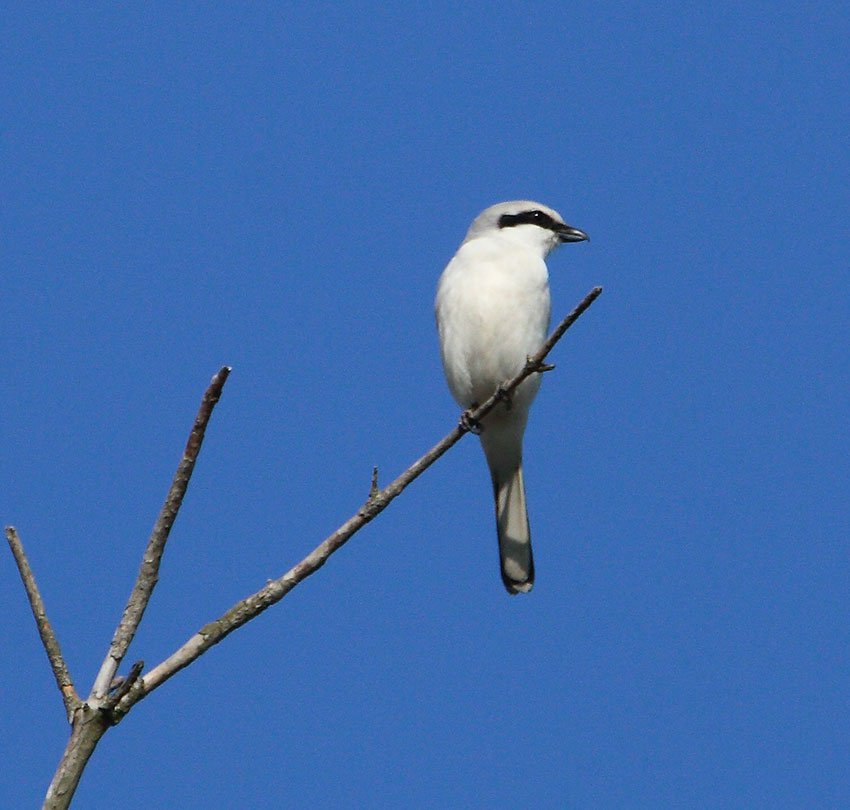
(278, 188)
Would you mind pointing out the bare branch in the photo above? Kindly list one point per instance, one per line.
(45, 629)
(149, 570)
(88, 727)
(536, 363)
(275, 590)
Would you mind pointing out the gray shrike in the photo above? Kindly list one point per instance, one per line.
(492, 314)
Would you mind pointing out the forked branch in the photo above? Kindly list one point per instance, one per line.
(149, 570)
(111, 698)
(378, 500)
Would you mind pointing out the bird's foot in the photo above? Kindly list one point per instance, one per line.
(503, 395)
(468, 424)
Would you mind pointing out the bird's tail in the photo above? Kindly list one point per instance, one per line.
(502, 443)
(514, 534)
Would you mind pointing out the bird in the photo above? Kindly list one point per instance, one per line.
(492, 310)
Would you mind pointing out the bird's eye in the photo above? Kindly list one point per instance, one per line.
(533, 217)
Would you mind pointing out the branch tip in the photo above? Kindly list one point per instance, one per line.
(149, 569)
(45, 629)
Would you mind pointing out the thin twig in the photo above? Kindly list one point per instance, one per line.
(45, 628)
(275, 590)
(124, 687)
(149, 570)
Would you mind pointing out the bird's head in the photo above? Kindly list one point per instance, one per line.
(530, 223)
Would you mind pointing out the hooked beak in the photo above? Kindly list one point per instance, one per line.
(566, 233)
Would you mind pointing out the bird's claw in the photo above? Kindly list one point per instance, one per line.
(469, 424)
(503, 395)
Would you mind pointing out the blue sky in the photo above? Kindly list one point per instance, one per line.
(278, 189)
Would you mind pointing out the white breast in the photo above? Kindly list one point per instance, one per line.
(492, 312)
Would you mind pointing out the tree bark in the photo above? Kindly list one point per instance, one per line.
(88, 726)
